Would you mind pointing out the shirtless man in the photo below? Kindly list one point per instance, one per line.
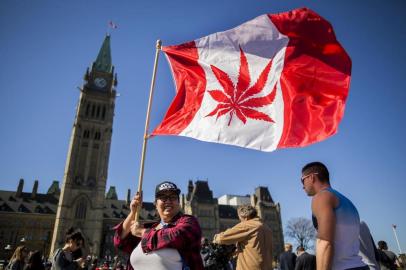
(336, 220)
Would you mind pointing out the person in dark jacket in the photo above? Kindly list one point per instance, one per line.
(287, 260)
(63, 258)
(304, 260)
(387, 258)
(34, 261)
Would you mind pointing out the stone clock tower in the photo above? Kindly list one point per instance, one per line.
(84, 183)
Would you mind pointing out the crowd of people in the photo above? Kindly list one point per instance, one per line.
(175, 240)
(66, 258)
(380, 259)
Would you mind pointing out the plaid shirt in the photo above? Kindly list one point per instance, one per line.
(182, 233)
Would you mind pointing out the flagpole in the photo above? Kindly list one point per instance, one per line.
(396, 236)
(144, 145)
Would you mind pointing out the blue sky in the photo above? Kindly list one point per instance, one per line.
(46, 47)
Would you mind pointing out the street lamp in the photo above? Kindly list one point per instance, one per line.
(396, 237)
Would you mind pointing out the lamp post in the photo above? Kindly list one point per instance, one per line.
(396, 237)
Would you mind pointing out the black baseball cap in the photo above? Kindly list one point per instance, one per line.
(166, 186)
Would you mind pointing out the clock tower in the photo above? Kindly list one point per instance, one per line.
(84, 183)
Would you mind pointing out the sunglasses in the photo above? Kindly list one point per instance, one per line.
(165, 198)
(303, 178)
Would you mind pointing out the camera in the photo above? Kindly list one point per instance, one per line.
(217, 257)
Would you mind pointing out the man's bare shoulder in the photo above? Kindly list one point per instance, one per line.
(324, 199)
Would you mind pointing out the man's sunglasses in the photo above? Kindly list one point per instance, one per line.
(302, 179)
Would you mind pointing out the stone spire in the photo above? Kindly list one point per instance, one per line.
(103, 62)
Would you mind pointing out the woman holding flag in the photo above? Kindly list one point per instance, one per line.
(171, 243)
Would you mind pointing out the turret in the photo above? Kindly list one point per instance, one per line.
(263, 195)
(54, 188)
(128, 196)
(111, 194)
(20, 188)
(189, 190)
(34, 190)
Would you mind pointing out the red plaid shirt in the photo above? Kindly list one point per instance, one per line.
(182, 233)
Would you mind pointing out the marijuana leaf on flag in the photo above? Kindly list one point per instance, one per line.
(238, 100)
(277, 81)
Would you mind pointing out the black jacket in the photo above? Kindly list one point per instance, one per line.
(287, 260)
(306, 261)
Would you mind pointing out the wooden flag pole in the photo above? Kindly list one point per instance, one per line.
(144, 145)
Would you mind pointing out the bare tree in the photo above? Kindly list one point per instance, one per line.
(302, 231)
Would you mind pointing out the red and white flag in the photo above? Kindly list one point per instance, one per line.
(279, 80)
(112, 25)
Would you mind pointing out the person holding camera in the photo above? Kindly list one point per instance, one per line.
(65, 258)
(253, 239)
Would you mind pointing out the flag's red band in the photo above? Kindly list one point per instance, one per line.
(315, 78)
(190, 87)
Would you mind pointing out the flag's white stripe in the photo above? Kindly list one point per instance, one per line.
(222, 50)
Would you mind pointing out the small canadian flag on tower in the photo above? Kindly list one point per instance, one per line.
(277, 81)
(112, 25)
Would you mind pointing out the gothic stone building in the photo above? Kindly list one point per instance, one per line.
(31, 216)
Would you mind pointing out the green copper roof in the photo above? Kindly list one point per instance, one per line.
(111, 194)
(103, 61)
(54, 188)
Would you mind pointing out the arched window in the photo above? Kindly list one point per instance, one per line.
(93, 109)
(86, 134)
(81, 207)
(104, 112)
(97, 135)
(87, 109)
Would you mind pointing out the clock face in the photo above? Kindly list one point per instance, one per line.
(100, 82)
